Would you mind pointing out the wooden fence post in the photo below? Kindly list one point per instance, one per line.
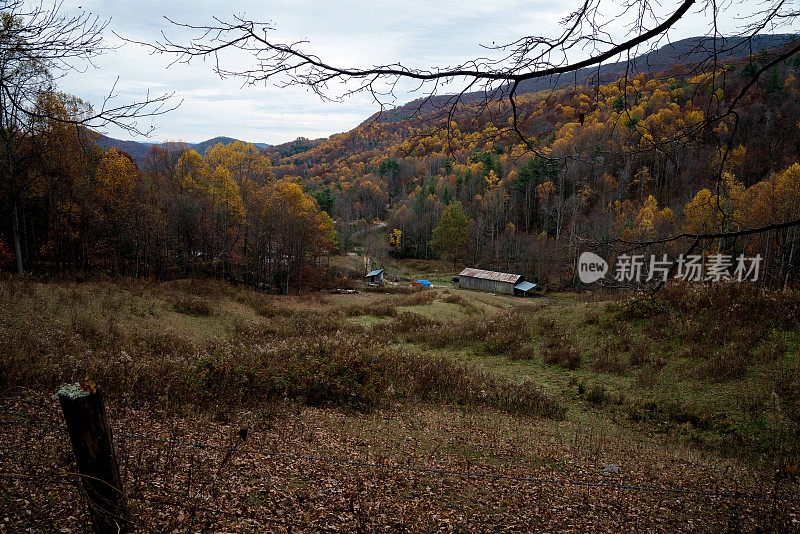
(85, 413)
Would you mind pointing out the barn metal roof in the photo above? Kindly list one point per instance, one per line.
(524, 286)
(491, 275)
(376, 272)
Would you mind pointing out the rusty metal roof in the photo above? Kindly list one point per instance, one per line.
(491, 275)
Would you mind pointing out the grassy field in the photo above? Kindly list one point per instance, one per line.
(405, 270)
(697, 390)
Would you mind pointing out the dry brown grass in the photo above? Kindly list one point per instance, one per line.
(298, 348)
(256, 348)
(608, 361)
(378, 309)
(196, 306)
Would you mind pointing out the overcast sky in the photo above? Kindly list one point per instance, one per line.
(352, 33)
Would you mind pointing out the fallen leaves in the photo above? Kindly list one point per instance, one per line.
(180, 488)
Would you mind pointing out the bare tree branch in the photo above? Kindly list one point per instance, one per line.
(41, 43)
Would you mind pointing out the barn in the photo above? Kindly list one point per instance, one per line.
(375, 277)
(492, 281)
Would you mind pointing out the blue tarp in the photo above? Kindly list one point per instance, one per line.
(423, 283)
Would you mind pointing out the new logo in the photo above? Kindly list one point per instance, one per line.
(591, 267)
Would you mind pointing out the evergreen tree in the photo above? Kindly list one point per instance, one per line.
(450, 236)
(325, 200)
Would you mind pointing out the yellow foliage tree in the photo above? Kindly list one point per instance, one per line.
(650, 220)
(492, 180)
(116, 176)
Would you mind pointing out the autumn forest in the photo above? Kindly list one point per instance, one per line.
(632, 160)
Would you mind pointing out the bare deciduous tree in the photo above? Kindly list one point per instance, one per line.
(586, 40)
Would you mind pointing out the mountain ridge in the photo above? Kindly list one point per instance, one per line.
(691, 50)
(138, 149)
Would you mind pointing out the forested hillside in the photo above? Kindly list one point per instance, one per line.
(697, 51)
(139, 149)
(634, 159)
(631, 159)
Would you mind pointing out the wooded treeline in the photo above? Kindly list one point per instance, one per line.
(80, 208)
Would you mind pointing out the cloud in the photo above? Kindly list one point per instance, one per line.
(356, 32)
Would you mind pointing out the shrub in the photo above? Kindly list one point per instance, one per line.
(268, 309)
(352, 381)
(646, 376)
(618, 340)
(194, 306)
(772, 349)
(591, 318)
(162, 344)
(390, 290)
(497, 343)
(418, 325)
(639, 307)
(727, 363)
(443, 380)
(522, 352)
(596, 395)
(566, 357)
(419, 297)
(381, 308)
(558, 350)
(545, 324)
(499, 334)
(453, 298)
(609, 362)
(640, 352)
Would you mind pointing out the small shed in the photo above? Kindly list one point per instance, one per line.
(489, 280)
(375, 277)
(523, 289)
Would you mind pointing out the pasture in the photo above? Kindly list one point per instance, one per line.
(407, 410)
